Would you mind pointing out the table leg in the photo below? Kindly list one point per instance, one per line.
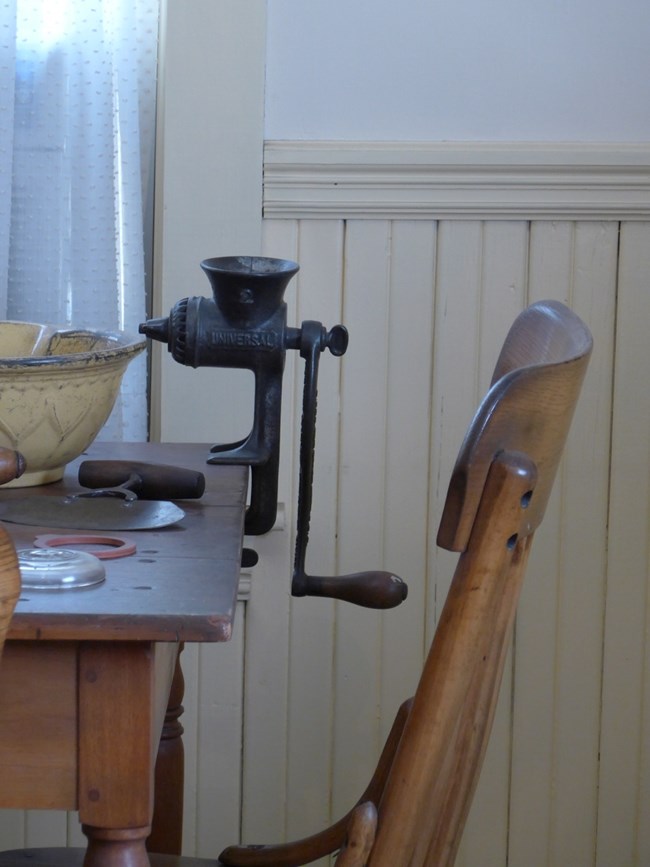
(108, 848)
(167, 826)
(123, 690)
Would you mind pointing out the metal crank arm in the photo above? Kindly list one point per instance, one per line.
(375, 589)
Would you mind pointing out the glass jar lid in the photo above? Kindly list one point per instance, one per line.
(58, 569)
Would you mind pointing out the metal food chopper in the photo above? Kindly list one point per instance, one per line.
(244, 326)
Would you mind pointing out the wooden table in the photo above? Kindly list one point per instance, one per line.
(90, 678)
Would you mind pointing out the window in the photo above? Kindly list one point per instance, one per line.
(77, 123)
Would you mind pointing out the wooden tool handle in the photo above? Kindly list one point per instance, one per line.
(12, 465)
(157, 481)
(368, 589)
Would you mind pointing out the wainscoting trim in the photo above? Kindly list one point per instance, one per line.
(425, 180)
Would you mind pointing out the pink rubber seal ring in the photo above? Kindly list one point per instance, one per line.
(115, 545)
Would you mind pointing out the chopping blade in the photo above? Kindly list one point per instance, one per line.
(81, 512)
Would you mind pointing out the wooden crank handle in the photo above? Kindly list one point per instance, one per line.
(368, 589)
(12, 465)
(156, 481)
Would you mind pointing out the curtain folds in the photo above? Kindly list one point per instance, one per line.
(77, 124)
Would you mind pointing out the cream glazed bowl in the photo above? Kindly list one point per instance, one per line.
(58, 386)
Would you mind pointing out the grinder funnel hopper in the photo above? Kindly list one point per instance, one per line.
(248, 290)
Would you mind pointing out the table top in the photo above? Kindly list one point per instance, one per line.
(181, 583)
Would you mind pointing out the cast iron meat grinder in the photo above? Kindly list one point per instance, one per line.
(244, 326)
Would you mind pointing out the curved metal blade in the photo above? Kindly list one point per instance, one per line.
(96, 513)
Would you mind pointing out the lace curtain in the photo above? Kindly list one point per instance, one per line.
(77, 119)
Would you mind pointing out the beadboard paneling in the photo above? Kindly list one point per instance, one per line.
(538, 800)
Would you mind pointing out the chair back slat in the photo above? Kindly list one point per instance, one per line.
(497, 497)
(529, 407)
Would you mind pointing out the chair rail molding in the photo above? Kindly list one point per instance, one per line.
(464, 180)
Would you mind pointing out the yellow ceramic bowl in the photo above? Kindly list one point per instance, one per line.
(57, 389)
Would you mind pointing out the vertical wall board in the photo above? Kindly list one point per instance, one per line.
(550, 273)
(455, 387)
(643, 810)
(309, 750)
(45, 828)
(405, 531)
(265, 695)
(504, 276)
(12, 829)
(361, 505)
(221, 682)
(75, 836)
(550, 276)
(584, 481)
(625, 648)
(280, 240)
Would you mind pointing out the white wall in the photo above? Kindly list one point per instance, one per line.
(424, 70)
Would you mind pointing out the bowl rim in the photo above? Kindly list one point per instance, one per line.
(125, 344)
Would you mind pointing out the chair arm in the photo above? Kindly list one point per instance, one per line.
(309, 849)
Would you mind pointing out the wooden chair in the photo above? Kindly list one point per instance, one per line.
(414, 810)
